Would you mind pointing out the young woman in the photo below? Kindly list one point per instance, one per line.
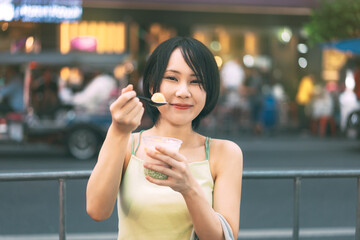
(203, 190)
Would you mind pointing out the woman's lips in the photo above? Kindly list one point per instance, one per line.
(181, 106)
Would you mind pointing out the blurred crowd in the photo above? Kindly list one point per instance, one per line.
(49, 90)
(250, 99)
(324, 107)
(11, 90)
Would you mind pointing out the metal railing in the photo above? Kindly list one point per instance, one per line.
(296, 175)
(61, 177)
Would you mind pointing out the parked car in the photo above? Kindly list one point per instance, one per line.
(81, 132)
(353, 125)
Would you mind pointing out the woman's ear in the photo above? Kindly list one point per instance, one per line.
(151, 89)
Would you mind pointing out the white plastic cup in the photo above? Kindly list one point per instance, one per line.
(166, 142)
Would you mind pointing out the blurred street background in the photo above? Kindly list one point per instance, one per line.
(290, 92)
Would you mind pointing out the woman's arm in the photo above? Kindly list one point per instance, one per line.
(227, 189)
(104, 182)
(227, 165)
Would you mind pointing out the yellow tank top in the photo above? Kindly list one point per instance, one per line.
(149, 211)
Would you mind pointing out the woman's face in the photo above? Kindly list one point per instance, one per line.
(182, 90)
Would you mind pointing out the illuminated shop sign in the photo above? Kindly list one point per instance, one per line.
(40, 10)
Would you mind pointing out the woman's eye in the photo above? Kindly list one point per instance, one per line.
(196, 81)
(171, 78)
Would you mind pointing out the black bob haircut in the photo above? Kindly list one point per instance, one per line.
(201, 61)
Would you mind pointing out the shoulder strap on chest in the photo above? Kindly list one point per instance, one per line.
(133, 151)
(207, 147)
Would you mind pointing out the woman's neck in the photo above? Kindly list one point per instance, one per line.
(184, 133)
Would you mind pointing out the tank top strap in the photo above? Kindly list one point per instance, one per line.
(207, 147)
(133, 151)
(132, 143)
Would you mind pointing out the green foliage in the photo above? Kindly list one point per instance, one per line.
(334, 20)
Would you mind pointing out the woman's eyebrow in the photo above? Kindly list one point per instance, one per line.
(175, 71)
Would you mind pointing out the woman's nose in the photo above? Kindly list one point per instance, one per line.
(183, 90)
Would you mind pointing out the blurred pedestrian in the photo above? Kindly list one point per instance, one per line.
(202, 193)
(12, 93)
(303, 99)
(357, 82)
(45, 94)
(232, 78)
(96, 94)
(348, 103)
(282, 101)
(254, 84)
(323, 112)
(269, 109)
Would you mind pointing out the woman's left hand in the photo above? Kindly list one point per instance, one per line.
(179, 175)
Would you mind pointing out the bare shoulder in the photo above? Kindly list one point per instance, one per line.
(226, 148)
(225, 155)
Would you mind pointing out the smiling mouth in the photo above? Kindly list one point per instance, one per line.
(181, 106)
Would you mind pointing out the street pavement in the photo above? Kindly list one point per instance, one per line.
(327, 205)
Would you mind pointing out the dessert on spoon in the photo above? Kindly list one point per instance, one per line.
(156, 100)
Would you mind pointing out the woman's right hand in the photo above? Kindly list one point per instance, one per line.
(126, 111)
